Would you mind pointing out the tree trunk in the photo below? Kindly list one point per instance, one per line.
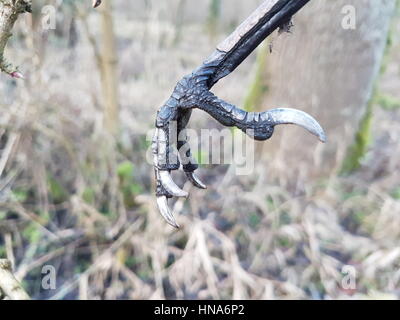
(109, 69)
(328, 71)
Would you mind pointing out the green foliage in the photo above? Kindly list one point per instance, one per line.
(20, 195)
(31, 233)
(284, 242)
(89, 195)
(125, 170)
(57, 192)
(2, 252)
(258, 87)
(129, 187)
(361, 221)
(358, 149)
(270, 203)
(131, 261)
(396, 193)
(388, 102)
(254, 220)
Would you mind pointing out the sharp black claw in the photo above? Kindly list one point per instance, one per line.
(162, 204)
(170, 186)
(195, 180)
(96, 3)
(297, 117)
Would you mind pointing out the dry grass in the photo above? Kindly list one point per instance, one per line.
(76, 198)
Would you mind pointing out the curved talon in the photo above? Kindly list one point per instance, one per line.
(170, 186)
(195, 180)
(293, 116)
(162, 204)
(96, 3)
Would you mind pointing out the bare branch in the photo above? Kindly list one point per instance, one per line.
(9, 12)
(9, 286)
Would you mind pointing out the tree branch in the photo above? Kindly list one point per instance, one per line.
(9, 286)
(9, 12)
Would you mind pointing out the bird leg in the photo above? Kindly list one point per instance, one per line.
(258, 125)
(193, 91)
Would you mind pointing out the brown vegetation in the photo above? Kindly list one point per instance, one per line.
(78, 198)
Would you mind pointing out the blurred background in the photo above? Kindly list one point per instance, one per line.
(312, 220)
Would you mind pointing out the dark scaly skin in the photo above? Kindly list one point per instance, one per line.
(193, 90)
